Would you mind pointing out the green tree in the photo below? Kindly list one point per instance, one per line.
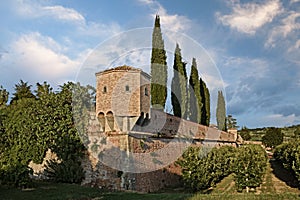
(22, 90)
(297, 132)
(158, 68)
(250, 166)
(33, 125)
(179, 85)
(221, 112)
(43, 90)
(195, 104)
(3, 96)
(245, 133)
(231, 122)
(205, 99)
(203, 167)
(273, 137)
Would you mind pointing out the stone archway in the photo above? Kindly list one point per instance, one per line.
(101, 119)
(110, 120)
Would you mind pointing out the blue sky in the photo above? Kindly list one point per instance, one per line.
(251, 47)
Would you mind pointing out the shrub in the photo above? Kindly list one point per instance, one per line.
(68, 171)
(203, 167)
(250, 166)
(16, 175)
(289, 155)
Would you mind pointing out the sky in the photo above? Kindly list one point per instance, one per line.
(248, 49)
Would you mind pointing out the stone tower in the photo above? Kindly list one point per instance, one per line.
(123, 96)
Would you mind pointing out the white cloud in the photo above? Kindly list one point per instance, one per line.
(99, 30)
(287, 26)
(62, 13)
(248, 18)
(34, 9)
(176, 23)
(279, 120)
(41, 57)
(294, 1)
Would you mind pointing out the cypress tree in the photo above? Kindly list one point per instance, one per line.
(195, 104)
(158, 68)
(221, 112)
(205, 99)
(179, 85)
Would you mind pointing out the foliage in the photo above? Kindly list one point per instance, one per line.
(203, 167)
(250, 166)
(273, 137)
(289, 155)
(31, 126)
(16, 175)
(231, 122)
(205, 99)
(68, 171)
(195, 102)
(297, 132)
(22, 90)
(3, 96)
(158, 68)
(221, 112)
(245, 133)
(179, 85)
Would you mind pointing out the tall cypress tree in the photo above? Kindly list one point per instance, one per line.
(179, 85)
(158, 68)
(205, 99)
(221, 112)
(195, 104)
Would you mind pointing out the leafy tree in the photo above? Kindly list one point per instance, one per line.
(221, 112)
(245, 133)
(273, 137)
(179, 85)
(158, 68)
(231, 122)
(205, 99)
(250, 166)
(43, 90)
(22, 90)
(289, 155)
(3, 96)
(33, 125)
(195, 104)
(203, 167)
(22, 142)
(297, 132)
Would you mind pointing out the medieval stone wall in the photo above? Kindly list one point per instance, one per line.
(155, 150)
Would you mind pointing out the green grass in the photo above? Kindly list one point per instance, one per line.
(225, 186)
(51, 191)
(243, 196)
(223, 190)
(267, 185)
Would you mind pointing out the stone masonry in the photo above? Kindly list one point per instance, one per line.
(125, 130)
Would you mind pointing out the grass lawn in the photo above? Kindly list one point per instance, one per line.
(274, 187)
(47, 191)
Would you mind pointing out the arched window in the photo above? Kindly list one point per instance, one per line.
(101, 120)
(146, 91)
(127, 88)
(110, 120)
(104, 89)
